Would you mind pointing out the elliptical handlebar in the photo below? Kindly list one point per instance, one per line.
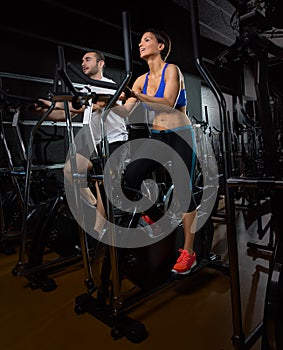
(28, 102)
(128, 67)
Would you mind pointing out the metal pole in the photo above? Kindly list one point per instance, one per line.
(238, 335)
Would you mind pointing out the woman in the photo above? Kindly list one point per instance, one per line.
(164, 85)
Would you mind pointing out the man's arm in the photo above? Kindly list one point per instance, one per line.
(58, 113)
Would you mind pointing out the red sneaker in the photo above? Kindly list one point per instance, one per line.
(185, 262)
(147, 219)
(156, 230)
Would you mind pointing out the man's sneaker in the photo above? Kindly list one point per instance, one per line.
(185, 262)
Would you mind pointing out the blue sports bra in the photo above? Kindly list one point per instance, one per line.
(182, 99)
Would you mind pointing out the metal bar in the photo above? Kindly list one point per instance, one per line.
(254, 183)
(22, 250)
(116, 299)
(74, 170)
(229, 194)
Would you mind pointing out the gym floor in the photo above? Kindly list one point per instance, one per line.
(193, 313)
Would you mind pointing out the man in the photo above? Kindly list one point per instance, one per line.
(93, 64)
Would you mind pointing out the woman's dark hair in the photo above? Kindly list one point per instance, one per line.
(162, 38)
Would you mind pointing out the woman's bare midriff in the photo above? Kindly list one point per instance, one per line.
(175, 119)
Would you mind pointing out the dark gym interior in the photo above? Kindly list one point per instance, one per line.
(231, 55)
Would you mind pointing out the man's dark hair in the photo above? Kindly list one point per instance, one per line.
(99, 55)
